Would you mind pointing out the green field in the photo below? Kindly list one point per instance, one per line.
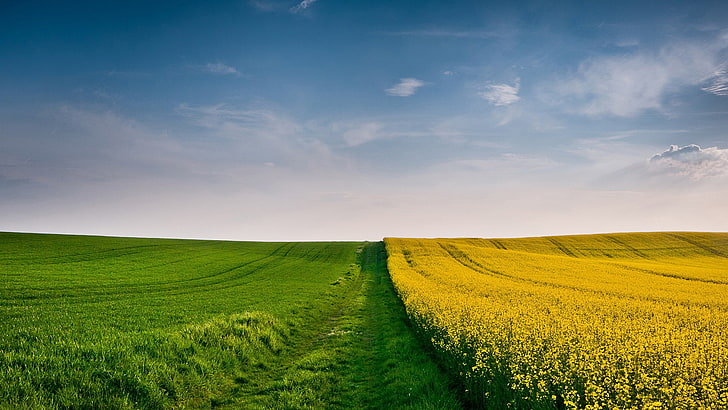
(99, 322)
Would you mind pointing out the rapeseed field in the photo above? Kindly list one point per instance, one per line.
(618, 321)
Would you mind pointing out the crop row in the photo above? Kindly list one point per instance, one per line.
(598, 322)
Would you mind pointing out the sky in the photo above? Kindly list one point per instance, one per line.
(287, 120)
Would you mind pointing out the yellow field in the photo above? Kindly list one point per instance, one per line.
(616, 321)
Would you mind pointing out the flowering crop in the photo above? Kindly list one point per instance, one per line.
(618, 321)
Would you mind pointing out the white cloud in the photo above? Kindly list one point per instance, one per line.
(627, 85)
(501, 94)
(675, 152)
(220, 68)
(405, 88)
(691, 161)
(303, 5)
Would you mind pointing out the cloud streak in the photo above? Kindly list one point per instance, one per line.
(278, 6)
(719, 83)
(405, 88)
(501, 94)
(302, 6)
(220, 68)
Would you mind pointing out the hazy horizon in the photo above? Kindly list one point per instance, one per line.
(275, 120)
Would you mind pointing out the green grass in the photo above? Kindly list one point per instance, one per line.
(360, 353)
(97, 322)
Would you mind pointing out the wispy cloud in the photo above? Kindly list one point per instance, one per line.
(264, 5)
(626, 85)
(126, 74)
(506, 163)
(232, 122)
(627, 42)
(405, 88)
(220, 68)
(76, 146)
(359, 133)
(354, 133)
(501, 94)
(259, 135)
(303, 5)
(362, 134)
(719, 83)
(281, 6)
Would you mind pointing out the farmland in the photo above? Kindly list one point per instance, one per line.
(594, 321)
(99, 322)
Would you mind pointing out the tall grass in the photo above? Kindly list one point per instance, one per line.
(150, 369)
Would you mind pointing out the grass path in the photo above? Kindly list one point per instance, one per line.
(131, 323)
(358, 351)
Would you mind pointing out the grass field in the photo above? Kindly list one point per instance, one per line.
(97, 322)
(628, 321)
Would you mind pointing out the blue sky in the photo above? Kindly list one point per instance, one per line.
(334, 120)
